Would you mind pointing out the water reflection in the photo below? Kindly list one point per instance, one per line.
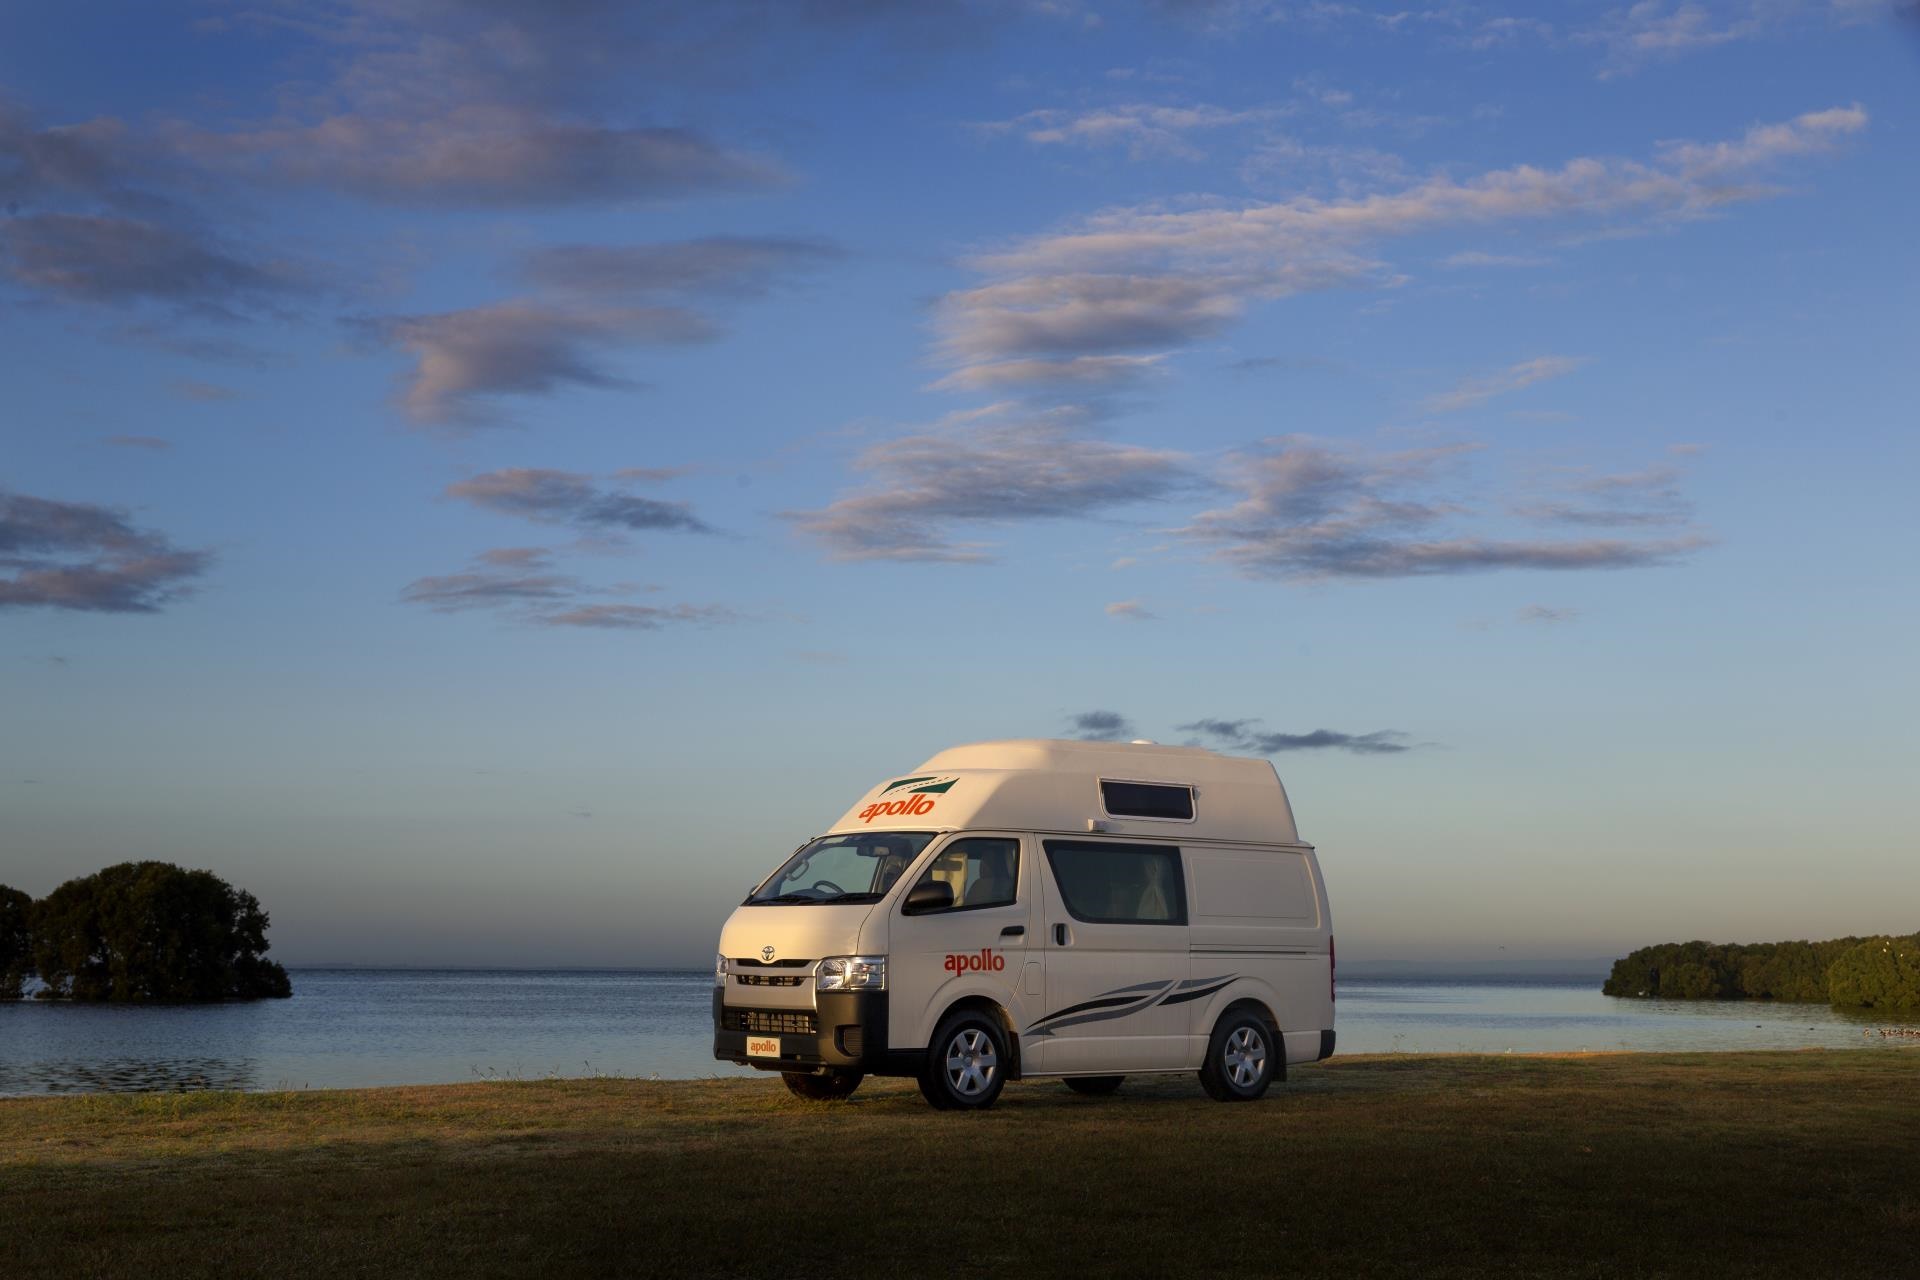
(127, 1075)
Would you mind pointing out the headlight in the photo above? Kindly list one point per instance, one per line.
(852, 973)
(719, 970)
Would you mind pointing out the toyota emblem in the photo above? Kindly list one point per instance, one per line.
(766, 955)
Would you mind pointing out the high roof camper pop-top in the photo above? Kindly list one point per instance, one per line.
(1044, 785)
(1033, 908)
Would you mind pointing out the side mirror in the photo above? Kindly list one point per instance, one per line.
(928, 895)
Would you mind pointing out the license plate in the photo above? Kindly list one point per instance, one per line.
(763, 1046)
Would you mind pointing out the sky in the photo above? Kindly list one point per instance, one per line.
(491, 479)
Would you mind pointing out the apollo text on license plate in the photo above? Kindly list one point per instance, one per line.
(763, 1046)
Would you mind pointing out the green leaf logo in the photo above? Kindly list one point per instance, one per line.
(925, 784)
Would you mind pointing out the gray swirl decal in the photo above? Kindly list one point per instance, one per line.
(1122, 1002)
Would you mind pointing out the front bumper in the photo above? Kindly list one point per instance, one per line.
(850, 1035)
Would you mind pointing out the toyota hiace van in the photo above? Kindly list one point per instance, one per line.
(1031, 908)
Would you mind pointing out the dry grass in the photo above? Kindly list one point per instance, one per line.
(1610, 1165)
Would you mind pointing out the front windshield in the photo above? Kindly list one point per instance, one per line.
(852, 868)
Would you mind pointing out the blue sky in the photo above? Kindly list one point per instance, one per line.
(491, 480)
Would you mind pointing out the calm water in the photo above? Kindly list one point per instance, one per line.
(347, 1028)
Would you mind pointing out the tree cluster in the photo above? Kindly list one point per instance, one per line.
(1881, 973)
(138, 931)
(1868, 972)
(16, 943)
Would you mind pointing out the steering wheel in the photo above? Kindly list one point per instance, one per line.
(825, 884)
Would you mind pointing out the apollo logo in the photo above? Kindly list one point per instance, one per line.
(981, 961)
(912, 806)
(916, 796)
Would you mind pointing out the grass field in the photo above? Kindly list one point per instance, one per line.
(1801, 1164)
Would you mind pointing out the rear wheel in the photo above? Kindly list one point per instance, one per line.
(1240, 1057)
(824, 1086)
(967, 1063)
(1093, 1086)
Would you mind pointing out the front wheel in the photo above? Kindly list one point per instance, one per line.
(1240, 1058)
(966, 1064)
(826, 1086)
(1093, 1086)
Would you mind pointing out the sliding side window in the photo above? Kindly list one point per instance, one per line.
(1119, 883)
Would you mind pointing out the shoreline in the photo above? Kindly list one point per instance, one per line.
(765, 1078)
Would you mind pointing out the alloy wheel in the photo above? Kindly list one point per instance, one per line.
(971, 1062)
(1245, 1056)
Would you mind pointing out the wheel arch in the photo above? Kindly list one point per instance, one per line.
(1235, 1000)
(990, 1008)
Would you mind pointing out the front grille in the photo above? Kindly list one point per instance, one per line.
(747, 962)
(763, 1022)
(766, 980)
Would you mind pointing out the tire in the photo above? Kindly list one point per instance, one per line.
(966, 1064)
(827, 1086)
(1240, 1057)
(1093, 1086)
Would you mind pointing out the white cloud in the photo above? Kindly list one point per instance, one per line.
(1143, 129)
(1495, 32)
(1306, 509)
(1151, 278)
(1620, 500)
(88, 558)
(977, 470)
(1104, 372)
(1082, 313)
(566, 497)
(636, 617)
(1477, 391)
(1310, 511)
(521, 583)
(1654, 29)
(464, 358)
(595, 301)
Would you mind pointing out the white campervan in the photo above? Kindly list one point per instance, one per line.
(1038, 908)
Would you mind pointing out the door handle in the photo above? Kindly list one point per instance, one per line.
(1060, 935)
(1014, 931)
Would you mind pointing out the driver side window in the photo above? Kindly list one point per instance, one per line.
(982, 871)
